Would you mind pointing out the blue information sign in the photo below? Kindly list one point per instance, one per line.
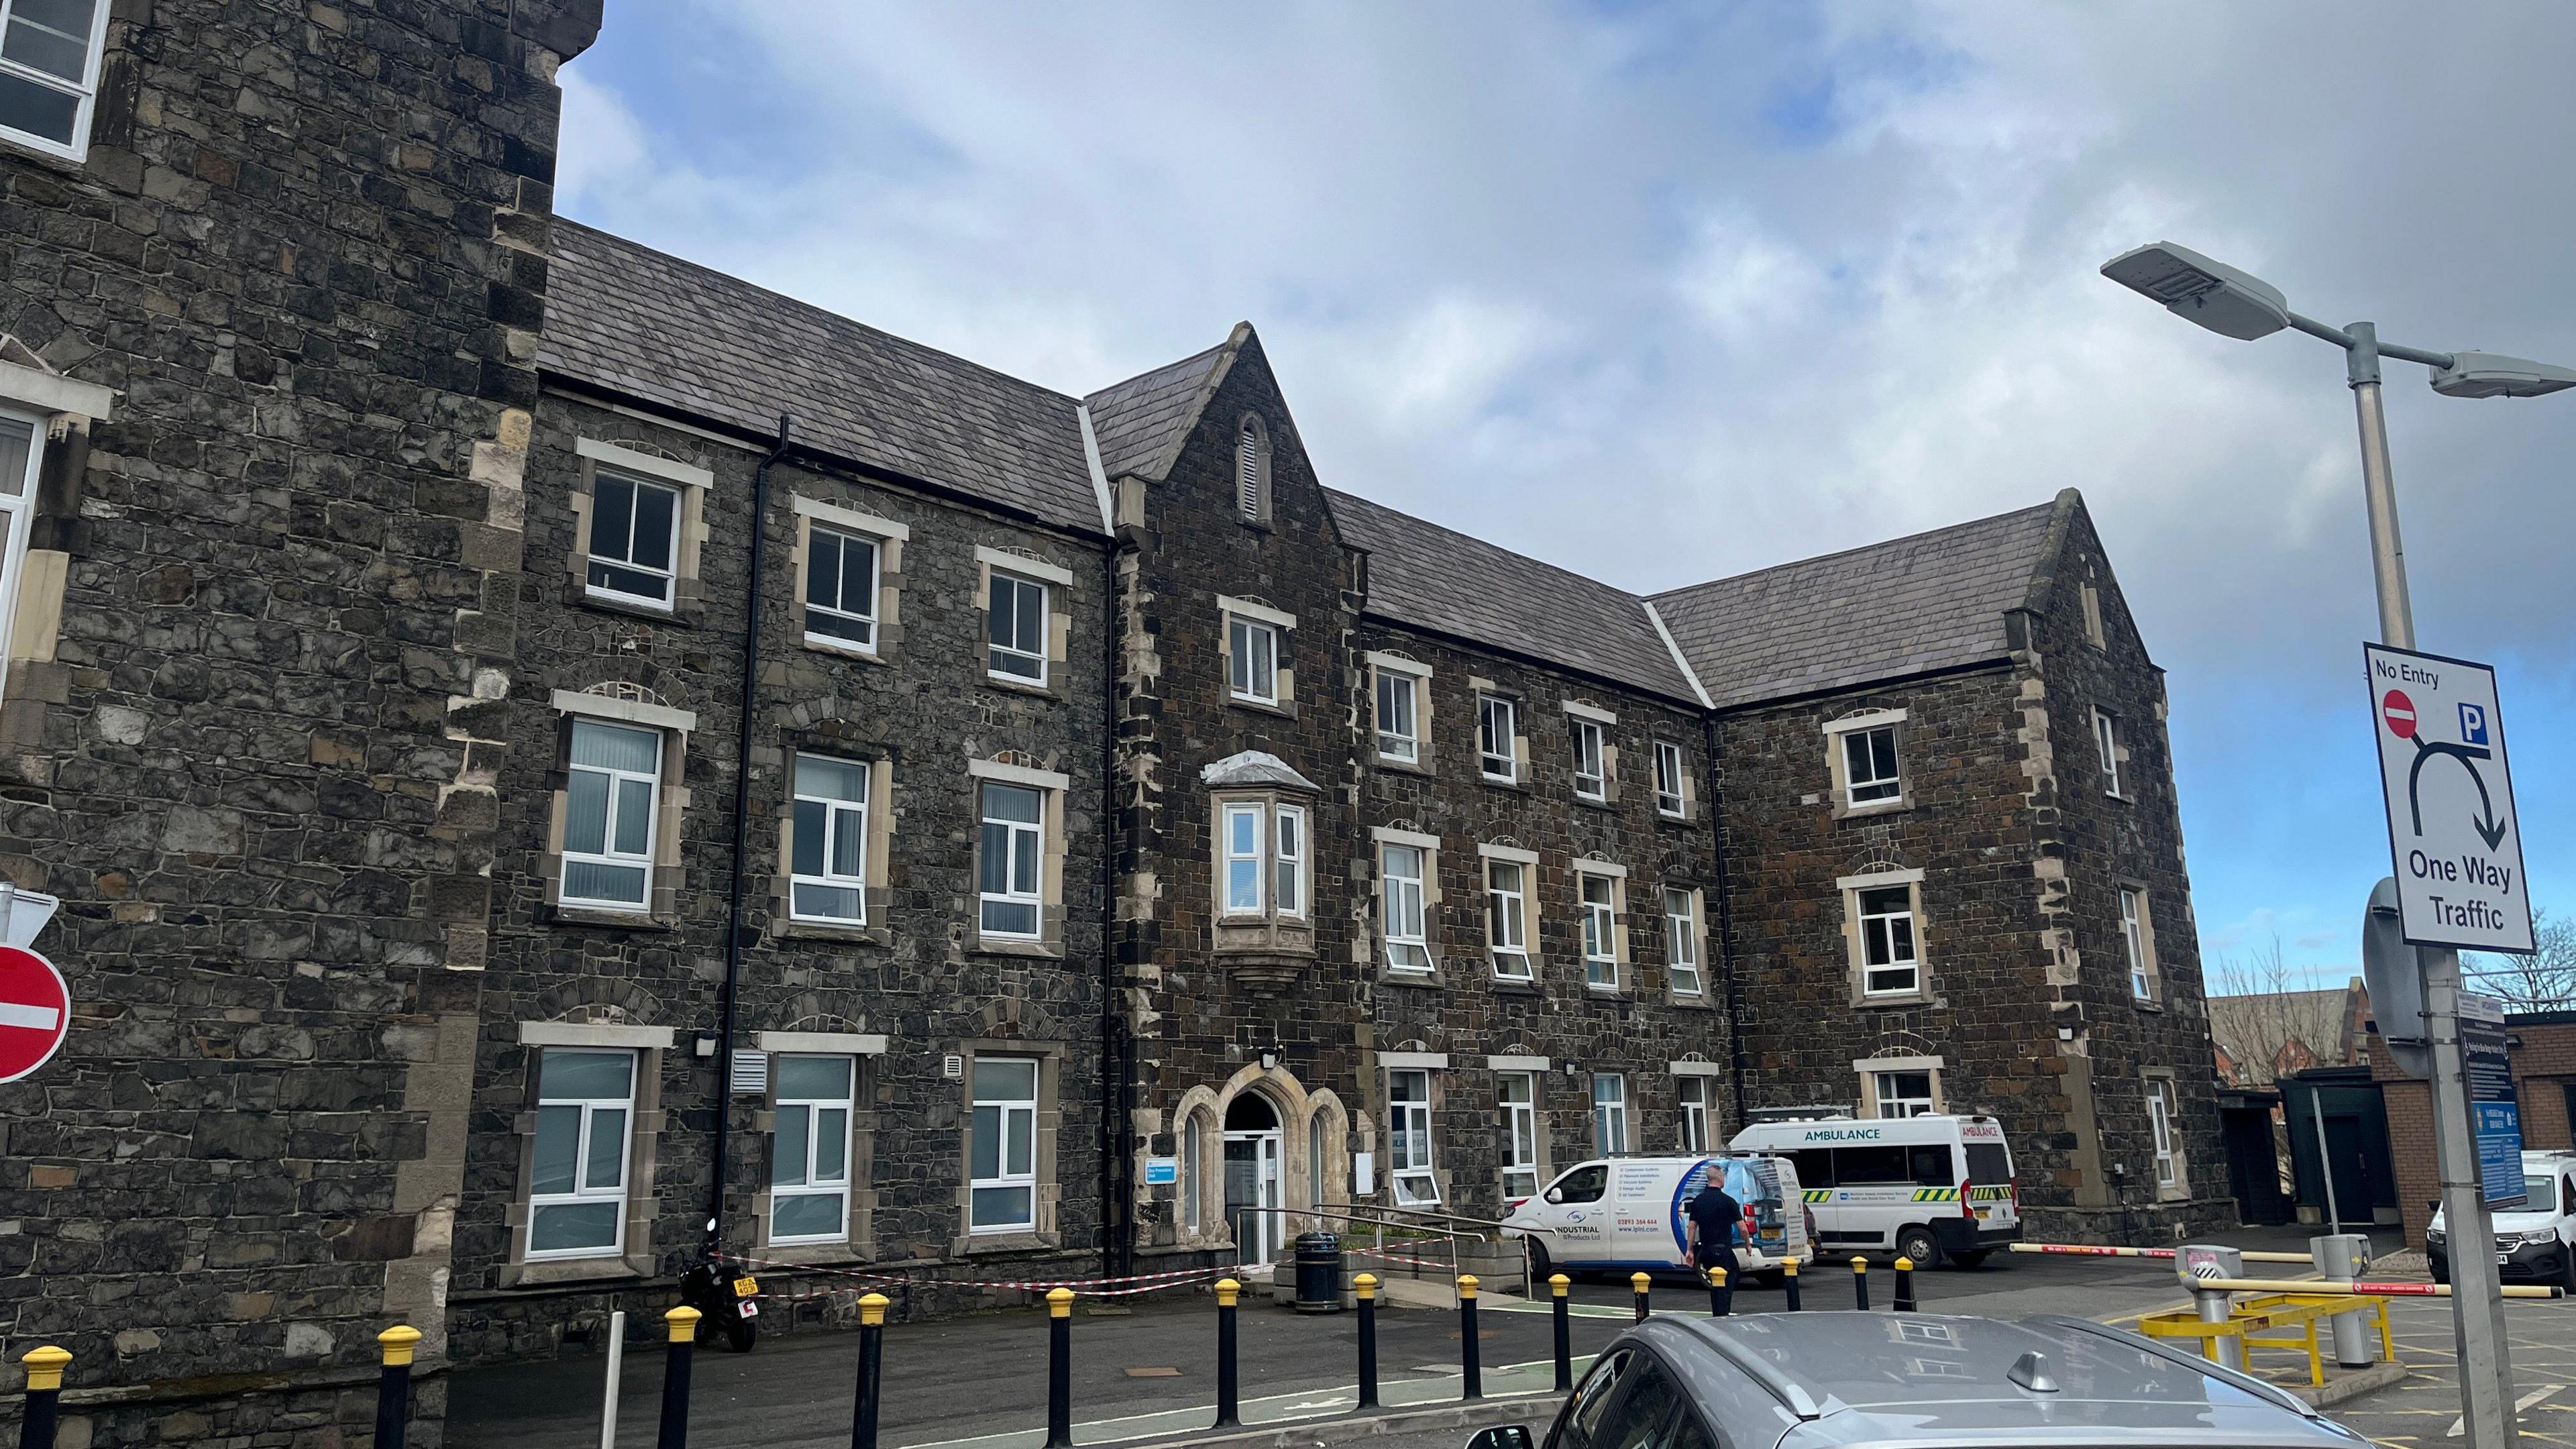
(2494, 1111)
(1162, 1170)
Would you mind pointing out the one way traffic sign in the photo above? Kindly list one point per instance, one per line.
(2451, 826)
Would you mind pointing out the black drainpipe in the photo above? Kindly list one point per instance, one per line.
(1725, 924)
(741, 828)
(1117, 1227)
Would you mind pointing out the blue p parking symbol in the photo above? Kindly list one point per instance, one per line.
(2473, 724)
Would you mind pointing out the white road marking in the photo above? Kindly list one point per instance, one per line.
(38, 1018)
(2523, 1405)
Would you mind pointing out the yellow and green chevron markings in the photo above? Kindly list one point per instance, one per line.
(1819, 1194)
(1936, 1194)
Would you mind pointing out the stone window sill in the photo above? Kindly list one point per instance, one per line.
(1022, 686)
(1901, 805)
(568, 1270)
(1606, 993)
(1432, 978)
(1041, 950)
(1403, 767)
(609, 920)
(1588, 803)
(788, 1257)
(840, 650)
(1690, 1003)
(1880, 1003)
(1501, 783)
(826, 931)
(976, 1244)
(2146, 1003)
(1283, 709)
(634, 609)
(1514, 986)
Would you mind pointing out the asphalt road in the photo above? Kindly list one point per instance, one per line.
(981, 1381)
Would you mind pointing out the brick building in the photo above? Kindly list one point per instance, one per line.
(2541, 1048)
(540, 744)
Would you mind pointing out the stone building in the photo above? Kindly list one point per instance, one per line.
(541, 745)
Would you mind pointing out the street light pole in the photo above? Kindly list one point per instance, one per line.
(2235, 304)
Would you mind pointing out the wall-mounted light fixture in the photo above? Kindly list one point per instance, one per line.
(1270, 1059)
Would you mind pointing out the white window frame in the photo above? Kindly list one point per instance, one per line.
(810, 1181)
(583, 1193)
(1859, 748)
(2162, 1108)
(16, 509)
(1014, 892)
(1240, 636)
(1883, 923)
(1507, 918)
(815, 533)
(1600, 928)
(837, 822)
(1681, 940)
(1590, 745)
(1887, 1099)
(1610, 1114)
(1669, 768)
(1690, 1094)
(636, 479)
(1493, 710)
(608, 854)
(1005, 1110)
(1408, 1121)
(85, 90)
(1017, 648)
(1399, 690)
(1245, 825)
(1276, 861)
(2106, 743)
(2134, 929)
(1402, 896)
(1288, 853)
(1520, 1133)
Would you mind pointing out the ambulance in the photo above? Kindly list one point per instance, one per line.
(1626, 1213)
(1936, 1189)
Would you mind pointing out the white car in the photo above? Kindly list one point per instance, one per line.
(2536, 1241)
(1626, 1214)
(1932, 1188)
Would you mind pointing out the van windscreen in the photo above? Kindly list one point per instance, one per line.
(1989, 1164)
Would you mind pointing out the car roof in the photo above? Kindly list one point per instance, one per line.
(1842, 1379)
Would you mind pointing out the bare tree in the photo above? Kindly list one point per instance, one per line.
(2545, 980)
(2265, 1022)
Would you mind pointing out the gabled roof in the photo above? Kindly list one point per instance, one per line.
(1439, 579)
(1142, 422)
(1909, 606)
(650, 326)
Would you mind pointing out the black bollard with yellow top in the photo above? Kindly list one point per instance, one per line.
(1556, 1286)
(1059, 1368)
(1640, 1283)
(863, 1415)
(683, 1324)
(1860, 1283)
(1226, 1291)
(1471, 1357)
(1365, 1285)
(1904, 1284)
(1721, 1294)
(1789, 1282)
(44, 1368)
(393, 1385)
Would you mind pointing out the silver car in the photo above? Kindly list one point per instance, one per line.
(1831, 1379)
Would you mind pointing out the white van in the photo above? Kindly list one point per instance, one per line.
(1625, 1213)
(1932, 1188)
(2535, 1242)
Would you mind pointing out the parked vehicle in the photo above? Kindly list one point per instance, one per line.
(2535, 1242)
(1825, 1380)
(1931, 1188)
(1626, 1214)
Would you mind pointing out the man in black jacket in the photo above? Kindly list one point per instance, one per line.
(1715, 1218)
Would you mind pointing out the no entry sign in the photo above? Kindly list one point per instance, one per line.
(35, 1012)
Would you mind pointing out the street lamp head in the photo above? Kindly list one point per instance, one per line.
(2489, 374)
(2213, 294)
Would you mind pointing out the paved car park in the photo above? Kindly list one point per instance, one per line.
(2420, 1411)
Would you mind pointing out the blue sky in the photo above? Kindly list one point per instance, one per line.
(1668, 291)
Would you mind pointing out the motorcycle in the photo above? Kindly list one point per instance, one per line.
(727, 1303)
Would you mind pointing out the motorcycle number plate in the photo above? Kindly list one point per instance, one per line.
(750, 1310)
(745, 1287)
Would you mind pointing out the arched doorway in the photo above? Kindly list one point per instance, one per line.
(1252, 1152)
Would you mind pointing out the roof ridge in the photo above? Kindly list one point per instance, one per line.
(842, 319)
(1818, 558)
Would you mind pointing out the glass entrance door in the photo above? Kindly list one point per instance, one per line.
(1252, 1143)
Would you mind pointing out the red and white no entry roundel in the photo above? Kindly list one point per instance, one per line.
(2399, 711)
(35, 1012)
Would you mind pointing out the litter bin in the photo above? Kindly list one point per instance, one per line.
(1319, 1273)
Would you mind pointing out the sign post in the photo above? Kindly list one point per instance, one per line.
(2457, 849)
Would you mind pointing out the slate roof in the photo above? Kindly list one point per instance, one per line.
(1908, 606)
(1141, 423)
(648, 325)
(1439, 579)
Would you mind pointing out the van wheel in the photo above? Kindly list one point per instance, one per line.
(1541, 1266)
(1972, 1259)
(1919, 1244)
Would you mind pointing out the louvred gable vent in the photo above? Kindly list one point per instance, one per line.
(1247, 471)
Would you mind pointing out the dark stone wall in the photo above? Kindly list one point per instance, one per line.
(914, 976)
(307, 250)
